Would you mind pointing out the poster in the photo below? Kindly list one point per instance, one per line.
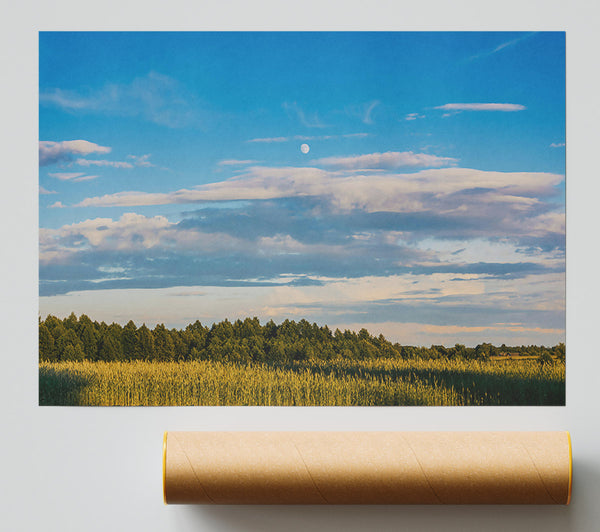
(302, 218)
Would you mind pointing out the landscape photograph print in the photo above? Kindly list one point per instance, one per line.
(302, 218)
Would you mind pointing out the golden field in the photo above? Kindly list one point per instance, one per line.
(338, 382)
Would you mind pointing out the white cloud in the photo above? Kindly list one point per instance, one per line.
(56, 205)
(347, 292)
(114, 164)
(136, 199)
(45, 191)
(131, 232)
(413, 116)
(72, 176)
(51, 152)
(236, 162)
(557, 145)
(287, 245)
(551, 221)
(433, 189)
(65, 176)
(480, 249)
(439, 289)
(506, 107)
(387, 160)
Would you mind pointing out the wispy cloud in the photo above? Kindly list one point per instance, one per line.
(113, 164)
(56, 205)
(85, 178)
(367, 118)
(155, 97)
(311, 120)
(354, 135)
(413, 116)
(51, 152)
(141, 160)
(236, 162)
(504, 107)
(387, 160)
(72, 176)
(364, 112)
(270, 139)
(500, 47)
(45, 191)
(557, 145)
(310, 137)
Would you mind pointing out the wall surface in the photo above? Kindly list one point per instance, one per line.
(98, 469)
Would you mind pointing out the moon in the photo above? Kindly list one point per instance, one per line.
(305, 148)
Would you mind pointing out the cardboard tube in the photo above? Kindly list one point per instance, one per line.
(367, 468)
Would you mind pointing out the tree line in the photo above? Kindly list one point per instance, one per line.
(244, 341)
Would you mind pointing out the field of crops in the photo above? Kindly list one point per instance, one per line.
(331, 383)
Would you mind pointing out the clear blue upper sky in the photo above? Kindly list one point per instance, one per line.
(430, 205)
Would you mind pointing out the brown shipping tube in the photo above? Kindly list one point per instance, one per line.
(367, 468)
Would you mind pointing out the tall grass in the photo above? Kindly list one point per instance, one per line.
(333, 383)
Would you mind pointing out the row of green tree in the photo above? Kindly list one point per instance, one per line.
(246, 340)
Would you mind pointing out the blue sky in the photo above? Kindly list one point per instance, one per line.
(429, 205)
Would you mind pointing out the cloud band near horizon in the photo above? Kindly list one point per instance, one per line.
(505, 107)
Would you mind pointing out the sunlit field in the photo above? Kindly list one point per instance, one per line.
(336, 382)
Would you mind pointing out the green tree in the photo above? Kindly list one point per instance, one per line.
(129, 341)
(89, 339)
(559, 352)
(57, 331)
(69, 347)
(116, 331)
(216, 349)
(71, 322)
(460, 351)
(145, 344)
(533, 351)
(52, 322)
(163, 344)
(270, 330)
(109, 346)
(196, 340)
(73, 352)
(408, 351)
(179, 346)
(544, 358)
(442, 351)
(363, 334)
(483, 351)
(46, 344)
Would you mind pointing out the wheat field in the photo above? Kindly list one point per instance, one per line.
(333, 383)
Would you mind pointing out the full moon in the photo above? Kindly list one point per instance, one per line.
(305, 148)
